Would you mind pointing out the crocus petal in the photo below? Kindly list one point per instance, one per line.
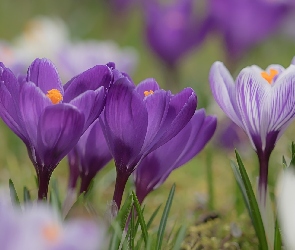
(91, 79)
(10, 81)
(90, 103)
(223, 90)
(280, 106)
(32, 104)
(44, 74)
(59, 130)
(124, 123)
(147, 85)
(251, 93)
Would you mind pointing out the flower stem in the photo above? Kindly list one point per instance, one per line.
(85, 182)
(43, 180)
(121, 181)
(263, 175)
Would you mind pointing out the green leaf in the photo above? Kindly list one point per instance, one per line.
(252, 205)
(153, 217)
(278, 239)
(54, 195)
(179, 238)
(164, 218)
(124, 212)
(140, 218)
(13, 194)
(27, 196)
(285, 165)
(132, 230)
(292, 163)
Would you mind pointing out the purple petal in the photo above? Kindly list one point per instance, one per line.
(147, 85)
(59, 129)
(90, 79)
(90, 103)
(32, 104)
(223, 90)
(124, 123)
(43, 73)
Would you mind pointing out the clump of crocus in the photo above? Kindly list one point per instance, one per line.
(261, 102)
(155, 168)
(48, 117)
(39, 226)
(89, 156)
(139, 119)
(245, 23)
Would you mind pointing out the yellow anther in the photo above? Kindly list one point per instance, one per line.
(146, 93)
(269, 76)
(54, 95)
(51, 233)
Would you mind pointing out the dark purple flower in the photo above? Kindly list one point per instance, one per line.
(89, 156)
(155, 168)
(138, 120)
(261, 102)
(244, 23)
(172, 30)
(48, 117)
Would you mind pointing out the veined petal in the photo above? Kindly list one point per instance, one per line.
(59, 130)
(90, 103)
(32, 104)
(90, 79)
(9, 80)
(223, 90)
(43, 73)
(251, 93)
(280, 106)
(125, 122)
(147, 85)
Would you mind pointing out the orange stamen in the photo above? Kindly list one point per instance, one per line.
(269, 76)
(51, 233)
(146, 93)
(54, 95)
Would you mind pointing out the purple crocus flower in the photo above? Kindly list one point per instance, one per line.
(172, 30)
(89, 156)
(155, 168)
(261, 102)
(139, 119)
(48, 117)
(244, 23)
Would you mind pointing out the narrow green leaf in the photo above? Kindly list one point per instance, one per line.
(179, 238)
(13, 194)
(278, 239)
(161, 231)
(254, 209)
(285, 165)
(124, 212)
(116, 236)
(153, 217)
(292, 154)
(138, 222)
(27, 196)
(54, 195)
(140, 218)
(132, 230)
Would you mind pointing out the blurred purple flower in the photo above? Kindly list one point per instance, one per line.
(48, 117)
(155, 168)
(244, 23)
(138, 120)
(89, 156)
(173, 30)
(261, 102)
(38, 227)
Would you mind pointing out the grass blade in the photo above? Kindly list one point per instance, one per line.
(161, 231)
(278, 239)
(254, 209)
(27, 196)
(153, 217)
(179, 238)
(124, 212)
(13, 194)
(140, 218)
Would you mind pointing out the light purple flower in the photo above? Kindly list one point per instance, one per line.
(89, 156)
(261, 102)
(172, 30)
(245, 23)
(139, 119)
(155, 168)
(48, 117)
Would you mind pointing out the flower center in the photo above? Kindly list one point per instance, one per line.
(51, 233)
(146, 93)
(54, 95)
(269, 76)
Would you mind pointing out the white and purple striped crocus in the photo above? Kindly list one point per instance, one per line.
(155, 168)
(48, 117)
(139, 119)
(261, 102)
